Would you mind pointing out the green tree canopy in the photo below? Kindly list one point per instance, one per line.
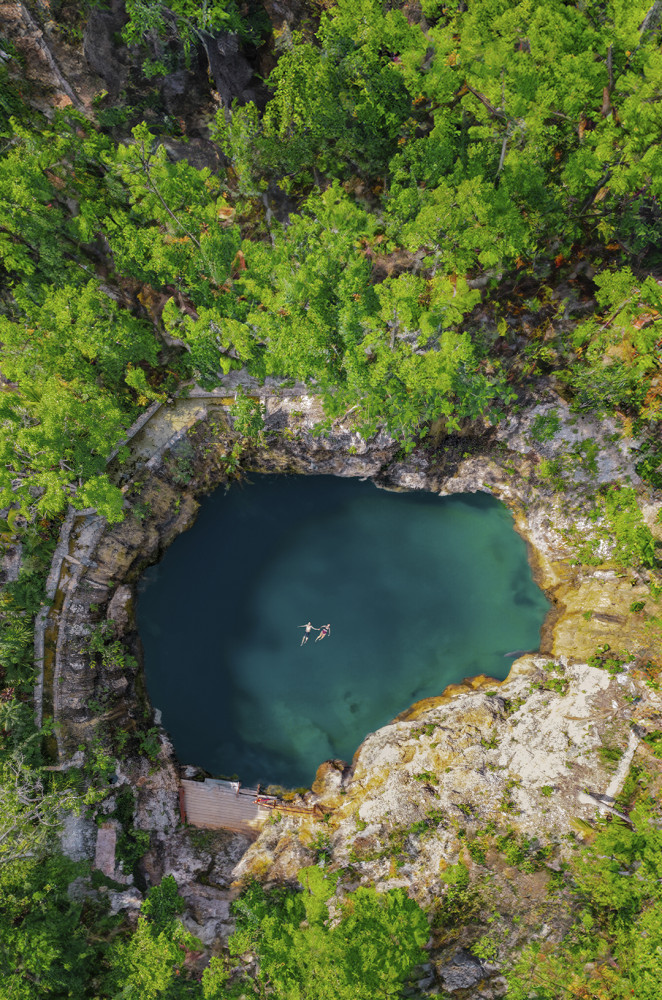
(368, 952)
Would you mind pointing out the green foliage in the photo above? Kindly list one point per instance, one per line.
(489, 134)
(30, 812)
(513, 705)
(11, 103)
(558, 684)
(321, 845)
(126, 804)
(46, 949)
(369, 953)
(635, 784)
(131, 843)
(619, 350)
(650, 465)
(214, 979)
(481, 121)
(66, 357)
(635, 544)
(79, 364)
(181, 25)
(390, 354)
(481, 160)
(610, 756)
(16, 641)
(169, 226)
(481, 144)
(622, 528)
(182, 468)
(654, 741)
(426, 730)
(614, 947)
(485, 948)
(552, 469)
(19, 603)
(100, 766)
(338, 106)
(605, 659)
(248, 417)
(112, 654)
(149, 743)
(545, 426)
(147, 966)
(461, 901)
(149, 963)
(427, 170)
(476, 851)
(524, 853)
(163, 904)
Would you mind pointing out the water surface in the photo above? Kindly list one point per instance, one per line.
(420, 591)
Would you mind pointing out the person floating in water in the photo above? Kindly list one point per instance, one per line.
(323, 632)
(309, 628)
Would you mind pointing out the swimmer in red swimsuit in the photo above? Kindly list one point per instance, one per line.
(323, 632)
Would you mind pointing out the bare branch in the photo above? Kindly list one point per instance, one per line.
(490, 107)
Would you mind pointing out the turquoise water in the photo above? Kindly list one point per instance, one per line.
(420, 591)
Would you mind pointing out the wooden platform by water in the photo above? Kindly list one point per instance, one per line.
(216, 804)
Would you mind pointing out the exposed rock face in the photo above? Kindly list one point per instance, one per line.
(523, 756)
(522, 752)
(10, 563)
(109, 60)
(462, 971)
(62, 69)
(78, 837)
(230, 69)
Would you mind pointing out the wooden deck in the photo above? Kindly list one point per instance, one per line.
(217, 805)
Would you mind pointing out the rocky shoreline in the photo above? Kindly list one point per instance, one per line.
(522, 755)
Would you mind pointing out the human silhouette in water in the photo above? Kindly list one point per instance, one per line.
(323, 632)
(309, 628)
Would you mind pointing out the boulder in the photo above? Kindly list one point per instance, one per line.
(461, 972)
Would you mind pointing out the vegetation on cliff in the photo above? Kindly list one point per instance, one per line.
(437, 208)
(448, 173)
(613, 948)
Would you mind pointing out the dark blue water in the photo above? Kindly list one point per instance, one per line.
(420, 591)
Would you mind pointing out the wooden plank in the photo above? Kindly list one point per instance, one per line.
(217, 806)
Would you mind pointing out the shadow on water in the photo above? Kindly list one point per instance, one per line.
(420, 591)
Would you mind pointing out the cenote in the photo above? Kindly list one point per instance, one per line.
(420, 591)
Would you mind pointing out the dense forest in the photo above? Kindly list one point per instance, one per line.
(424, 210)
